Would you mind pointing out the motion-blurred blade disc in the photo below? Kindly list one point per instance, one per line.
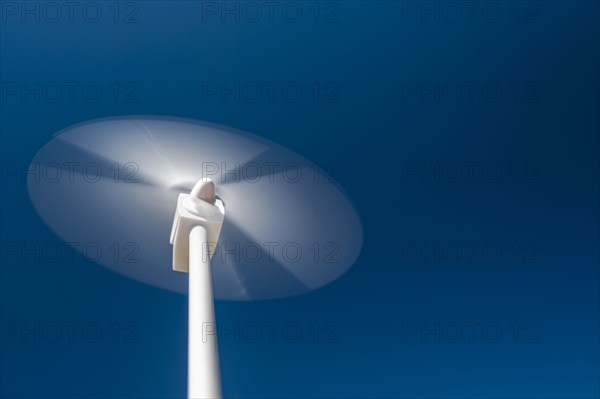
(109, 188)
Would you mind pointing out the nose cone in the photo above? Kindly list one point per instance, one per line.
(204, 190)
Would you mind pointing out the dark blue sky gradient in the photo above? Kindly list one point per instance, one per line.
(388, 328)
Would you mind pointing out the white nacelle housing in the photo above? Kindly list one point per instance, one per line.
(191, 212)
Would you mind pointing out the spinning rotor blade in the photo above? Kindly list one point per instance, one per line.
(287, 230)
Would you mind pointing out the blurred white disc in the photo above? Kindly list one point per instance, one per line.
(109, 188)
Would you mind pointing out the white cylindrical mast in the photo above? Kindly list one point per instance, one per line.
(204, 378)
(198, 220)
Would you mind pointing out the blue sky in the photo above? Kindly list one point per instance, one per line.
(469, 146)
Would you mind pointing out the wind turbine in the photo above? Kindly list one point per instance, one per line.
(253, 220)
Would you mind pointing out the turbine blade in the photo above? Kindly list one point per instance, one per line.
(258, 271)
(80, 163)
(264, 166)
